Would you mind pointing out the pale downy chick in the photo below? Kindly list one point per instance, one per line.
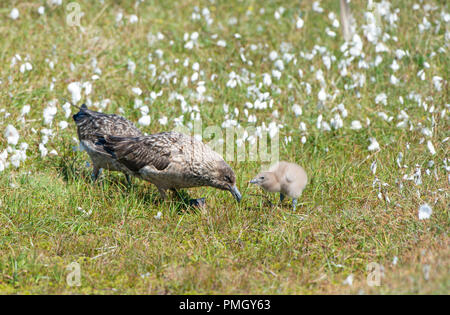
(288, 179)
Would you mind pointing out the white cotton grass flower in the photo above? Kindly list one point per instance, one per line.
(221, 43)
(158, 215)
(356, 125)
(67, 110)
(3, 162)
(25, 110)
(430, 147)
(373, 167)
(322, 95)
(381, 99)
(374, 145)
(63, 124)
(297, 110)
(49, 113)
(144, 120)
(137, 91)
(26, 67)
(425, 212)
(299, 24)
(75, 90)
(12, 135)
(133, 19)
(303, 140)
(43, 150)
(349, 280)
(14, 14)
(267, 80)
(163, 121)
(395, 260)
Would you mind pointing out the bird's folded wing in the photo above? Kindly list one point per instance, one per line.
(138, 152)
(289, 177)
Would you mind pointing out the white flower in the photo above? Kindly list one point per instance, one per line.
(131, 65)
(75, 89)
(297, 110)
(133, 18)
(136, 90)
(299, 24)
(41, 10)
(67, 110)
(425, 212)
(431, 147)
(43, 150)
(25, 110)
(267, 79)
(144, 110)
(49, 113)
(373, 145)
(87, 87)
(63, 124)
(373, 167)
(26, 67)
(14, 14)
(322, 95)
(158, 215)
(316, 7)
(11, 135)
(356, 124)
(381, 98)
(273, 55)
(144, 120)
(394, 80)
(163, 120)
(221, 43)
(437, 81)
(349, 280)
(3, 157)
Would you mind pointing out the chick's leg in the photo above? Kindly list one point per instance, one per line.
(95, 172)
(281, 197)
(294, 202)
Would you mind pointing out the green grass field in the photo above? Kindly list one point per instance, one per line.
(220, 61)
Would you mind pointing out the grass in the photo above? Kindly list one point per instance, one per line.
(342, 223)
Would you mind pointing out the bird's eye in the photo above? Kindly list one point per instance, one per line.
(262, 177)
(228, 179)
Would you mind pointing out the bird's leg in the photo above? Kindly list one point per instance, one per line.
(281, 197)
(162, 192)
(184, 197)
(95, 172)
(127, 176)
(176, 193)
(294, 202)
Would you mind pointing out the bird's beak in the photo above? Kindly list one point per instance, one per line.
(254, 181)
(236, 194)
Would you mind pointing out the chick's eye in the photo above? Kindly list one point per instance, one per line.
(262, 177)
(227, 179)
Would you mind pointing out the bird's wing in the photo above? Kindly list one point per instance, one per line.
(289, 177)
(138, 152)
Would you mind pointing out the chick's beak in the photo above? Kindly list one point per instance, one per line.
(254, 181)
(236, 194)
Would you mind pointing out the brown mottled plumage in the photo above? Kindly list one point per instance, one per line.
(169, 160)
(90, 123)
